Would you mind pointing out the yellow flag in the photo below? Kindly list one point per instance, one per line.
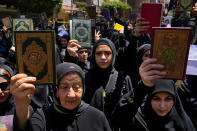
(118, 27)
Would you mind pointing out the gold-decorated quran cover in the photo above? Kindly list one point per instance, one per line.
(36, 55)
(171, 46)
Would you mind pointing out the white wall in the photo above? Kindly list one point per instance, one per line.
(66, 2)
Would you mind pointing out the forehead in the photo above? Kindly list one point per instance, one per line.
(103, 48)
(2, 79)
(71, 78)
(83, 49)
(162, 94)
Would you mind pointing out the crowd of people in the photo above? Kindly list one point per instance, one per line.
(113, 86)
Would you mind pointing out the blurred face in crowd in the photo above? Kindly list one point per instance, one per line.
(83, 55)
(103, 56)
(70, 91)
(4, 89)
(162, 103)
(146, 55)
(64, 42)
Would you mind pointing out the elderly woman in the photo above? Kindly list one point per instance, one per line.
(67, 113)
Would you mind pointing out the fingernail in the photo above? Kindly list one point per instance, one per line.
(33, 78)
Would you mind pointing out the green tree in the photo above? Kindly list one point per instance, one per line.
(111, 5)
(81, 5)
(34, 6)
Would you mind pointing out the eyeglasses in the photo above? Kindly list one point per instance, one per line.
(4, 85)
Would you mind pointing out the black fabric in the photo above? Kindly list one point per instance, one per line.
(126, 108)
(86, 118)
(6, 72)
(188, 95)
(140, 52)
(176, 119)
(104, 87)
(7, 107)
(39, 99)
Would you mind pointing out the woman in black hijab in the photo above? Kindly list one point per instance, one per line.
(163, 110)
(143, 53)
(68, 112)
(7, 104)
(105, 85)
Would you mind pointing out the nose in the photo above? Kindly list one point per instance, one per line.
(103, 56)
(1, 92)
(71, 93)
(162, 104)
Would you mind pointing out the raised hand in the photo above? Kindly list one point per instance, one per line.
(150, 71)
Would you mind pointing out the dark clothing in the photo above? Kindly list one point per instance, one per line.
(84, 66)
(7, 107)
(85, 118)
(105, 87)
(5, 45)
(59, 57)
(121, 45)
(140, 52)
(188, 95)
(39, 99)
(146, 118)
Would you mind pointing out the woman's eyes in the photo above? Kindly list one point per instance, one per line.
(156, 99)
(169, 98)
(105, 53)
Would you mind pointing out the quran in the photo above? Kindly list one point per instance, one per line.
(81, 31)
(22, 24)
(35, 51)
(171, 46)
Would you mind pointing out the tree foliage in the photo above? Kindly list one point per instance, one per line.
(34, 6)
(115, 4)
(81, 5)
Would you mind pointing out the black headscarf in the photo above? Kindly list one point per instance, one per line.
(6, 72)
(95, 67)
(62, 70)
(140, 52)
(176, 119)
(7, 107)
(98, 78)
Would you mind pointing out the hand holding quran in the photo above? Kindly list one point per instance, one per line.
(170, 46)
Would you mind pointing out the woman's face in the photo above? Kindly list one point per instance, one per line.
(64, 42)
(162, 103)
(4, 94)
(146, 55)
(70, 91)
(103, 56)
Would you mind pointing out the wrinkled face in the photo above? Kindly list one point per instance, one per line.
(70, 91)
(162, 103)
(83, 55)
(103, 56)
(146, 55)
(4, 94)
(64, 42)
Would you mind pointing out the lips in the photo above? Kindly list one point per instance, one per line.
(1, 97)
(103, 63)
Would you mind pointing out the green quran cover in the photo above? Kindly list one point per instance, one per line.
(171, 47)
(35, 51)
(22, 24)
(81, 31)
